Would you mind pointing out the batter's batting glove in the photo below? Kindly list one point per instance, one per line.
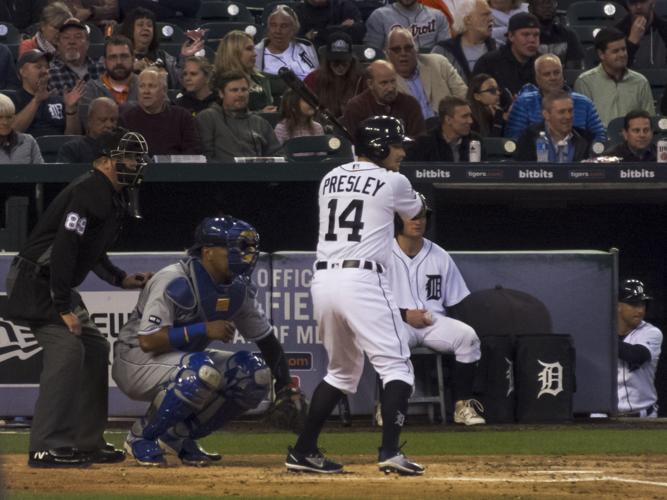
(288, 411)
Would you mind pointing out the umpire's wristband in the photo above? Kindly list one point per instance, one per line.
(180, 336)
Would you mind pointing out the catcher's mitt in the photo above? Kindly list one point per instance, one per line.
(288, 411)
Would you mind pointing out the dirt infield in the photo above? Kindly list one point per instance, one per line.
(481, 476)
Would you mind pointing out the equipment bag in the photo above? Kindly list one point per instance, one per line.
(545, 378)
(494, 382)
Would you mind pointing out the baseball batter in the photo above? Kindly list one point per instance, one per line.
(162, 352)
(425, 280)
(352, 299)
(638, 352)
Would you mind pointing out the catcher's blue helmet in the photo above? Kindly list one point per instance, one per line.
(238, 237)
(377, 133)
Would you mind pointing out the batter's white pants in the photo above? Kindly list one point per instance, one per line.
(447, 335)
(356, 314)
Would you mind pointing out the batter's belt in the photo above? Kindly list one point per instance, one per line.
(349, 264)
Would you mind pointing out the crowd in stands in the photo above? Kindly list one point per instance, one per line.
(453, 72)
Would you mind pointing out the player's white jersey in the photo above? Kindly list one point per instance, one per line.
(357, 202)
(430, 280)
(636, 388)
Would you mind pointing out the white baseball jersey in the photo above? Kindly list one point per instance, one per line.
(430, 280)
(636, 388)
(357, 204)
(353, 305)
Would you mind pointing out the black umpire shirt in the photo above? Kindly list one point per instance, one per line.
(72, 237)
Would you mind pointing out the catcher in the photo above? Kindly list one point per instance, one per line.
(162, 353)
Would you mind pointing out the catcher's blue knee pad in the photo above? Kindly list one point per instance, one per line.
(189, 391)
(246, 379)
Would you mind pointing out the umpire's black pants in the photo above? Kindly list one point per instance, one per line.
(71, 410)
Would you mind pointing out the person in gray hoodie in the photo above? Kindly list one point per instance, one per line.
(428, 26)
(15, 147)
(227, 130)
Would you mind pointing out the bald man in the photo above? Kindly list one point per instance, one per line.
(102, 117)
(168, 129)
(383, 98)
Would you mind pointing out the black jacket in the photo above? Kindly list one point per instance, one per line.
(507, 71)
(327, 19)
(432, 147)
(563, 42)
(624, 152)
(659, 24)
(525, 150)
(453, 46)
(70, 240)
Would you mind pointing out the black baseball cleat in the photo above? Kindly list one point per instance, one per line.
(57, 457)
(105, 455)
(398, 463)
(310, 462)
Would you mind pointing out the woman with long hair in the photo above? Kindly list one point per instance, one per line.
(340, 76)
(140, 26)
(484, 99)
(296, 118)
(236, 52)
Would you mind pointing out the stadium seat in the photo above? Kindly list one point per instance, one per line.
(591, 12)
(172, 94)
(9, 34)
(498, 148)
(661, 8)
(50, 144)
(11, 93)
(95, 34)
(225, 11)
(657, 77)
(317, 147)
(571, 75)
(591, 57)
(218, 29)
(278, 87)
(272, 5)
(170, 33)
(363, 53)
(586, 33)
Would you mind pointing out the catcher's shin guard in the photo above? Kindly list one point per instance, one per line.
(246, 381)
(189, 392)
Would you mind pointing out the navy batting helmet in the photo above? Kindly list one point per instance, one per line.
(632, 290)
(398, 221)
(376, 134)
(238, 237)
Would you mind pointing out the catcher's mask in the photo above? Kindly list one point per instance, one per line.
(130, 152)
(238, 237)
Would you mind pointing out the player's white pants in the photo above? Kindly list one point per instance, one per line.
(356, 314)
(447, 335)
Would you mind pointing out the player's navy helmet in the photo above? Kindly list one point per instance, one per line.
(238, 237)
(632, 291)
(376, 134)
(125, 146)
(398, 222)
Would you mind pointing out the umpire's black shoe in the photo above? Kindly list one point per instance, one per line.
(395, 461)
(57, 457)
(310, 462)
(106, 455)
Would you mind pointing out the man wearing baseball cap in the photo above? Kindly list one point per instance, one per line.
(646, 34)
(638, 352)
(512, 65)
(37, 111)
(72, 62)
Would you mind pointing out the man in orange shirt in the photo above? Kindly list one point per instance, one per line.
(118, 81)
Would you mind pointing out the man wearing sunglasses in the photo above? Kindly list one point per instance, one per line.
(429, 78)
(527, 108)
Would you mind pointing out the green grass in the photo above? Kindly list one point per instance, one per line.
(551, 441)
